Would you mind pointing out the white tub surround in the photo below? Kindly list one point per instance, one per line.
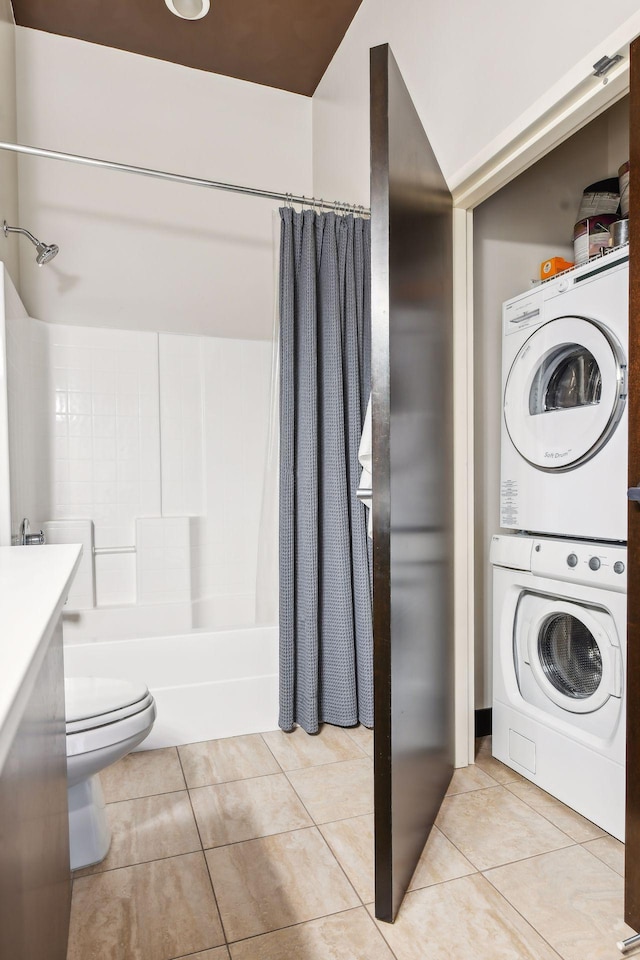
(34, 583)
(35, 884)
(206, 684)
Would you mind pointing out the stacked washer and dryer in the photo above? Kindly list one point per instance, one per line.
(559, 580)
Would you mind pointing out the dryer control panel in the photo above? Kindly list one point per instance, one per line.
(577, 561)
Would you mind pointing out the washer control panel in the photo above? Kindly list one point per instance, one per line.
(577, 561)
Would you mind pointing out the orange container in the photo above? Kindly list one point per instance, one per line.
(549, 268)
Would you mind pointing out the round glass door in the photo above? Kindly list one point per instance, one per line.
(571, 650)
(565, 393)
(570, 656)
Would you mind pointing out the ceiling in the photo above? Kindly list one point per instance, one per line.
(279, 43)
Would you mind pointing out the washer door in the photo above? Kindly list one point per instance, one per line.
(565, 393)
(572, 652)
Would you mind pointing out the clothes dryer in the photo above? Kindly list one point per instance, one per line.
(564, 424)
(559, 659)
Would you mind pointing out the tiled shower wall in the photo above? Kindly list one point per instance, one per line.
(115, 426)
(103, 410)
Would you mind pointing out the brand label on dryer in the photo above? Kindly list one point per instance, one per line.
(557, 454)
(509, 503)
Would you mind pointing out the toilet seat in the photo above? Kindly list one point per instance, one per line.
(104, 712)
(110, 734)
(87, 698)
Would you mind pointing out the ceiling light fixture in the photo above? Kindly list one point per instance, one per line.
(189, 9)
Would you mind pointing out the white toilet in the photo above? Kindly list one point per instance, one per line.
(106, 719)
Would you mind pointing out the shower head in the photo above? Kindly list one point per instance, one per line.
(44, 251)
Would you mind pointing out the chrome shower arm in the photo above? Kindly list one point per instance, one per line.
(7, 229)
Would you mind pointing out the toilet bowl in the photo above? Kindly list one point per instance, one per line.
(106, 719)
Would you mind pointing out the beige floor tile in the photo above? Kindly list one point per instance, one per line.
(363, 736)
(566, 819)
(610, 851)
(219, 761)
(148, 829)
(299, 749)
(492, 827)
(335, 791)
(440, 861)
(246, 809)
(469, 778)
(494, 768)
(573, 899)
(463, 919)
(352, 844)
(152, 911)
(263, 885)
(143, 774)
(344, 936)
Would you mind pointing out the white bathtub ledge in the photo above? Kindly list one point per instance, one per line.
(34, 583)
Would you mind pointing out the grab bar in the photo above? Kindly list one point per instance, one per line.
(102, 551)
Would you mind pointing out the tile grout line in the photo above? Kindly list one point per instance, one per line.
(329, 848)
(521, 915)
(539, 812)
(325, 763)
(206, 862)
(532, 808)
(302, 923)
(480, 870)
(317, 826)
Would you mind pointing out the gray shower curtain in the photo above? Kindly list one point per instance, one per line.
(326, 655)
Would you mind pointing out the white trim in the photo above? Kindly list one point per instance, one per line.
(571, 103)
(463, 483)
(567, 107)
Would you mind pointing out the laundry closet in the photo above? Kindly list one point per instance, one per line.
(525, 223)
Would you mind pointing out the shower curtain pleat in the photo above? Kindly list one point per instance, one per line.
(326, 656)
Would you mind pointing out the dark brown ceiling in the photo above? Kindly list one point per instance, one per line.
(280, 43)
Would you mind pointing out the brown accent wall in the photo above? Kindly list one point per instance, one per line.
(278, 43)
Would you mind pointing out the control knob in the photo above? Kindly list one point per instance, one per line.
(572, 560)
(594, 563)
(618, 567)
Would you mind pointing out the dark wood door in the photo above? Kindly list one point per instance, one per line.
(632, 825)
(412, 388)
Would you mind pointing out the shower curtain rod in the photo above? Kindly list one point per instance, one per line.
(286, 198)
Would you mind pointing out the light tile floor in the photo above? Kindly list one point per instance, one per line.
(261, 848)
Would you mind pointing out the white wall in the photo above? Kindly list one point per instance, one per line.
(8, 161)
(472, 70)
(523, 224)
(143, 254)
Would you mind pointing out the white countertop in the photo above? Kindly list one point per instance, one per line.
(34, 582)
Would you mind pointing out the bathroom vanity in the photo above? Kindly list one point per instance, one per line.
(35, 887)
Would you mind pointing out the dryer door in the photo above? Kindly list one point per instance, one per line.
(572, 652)
(565, 393)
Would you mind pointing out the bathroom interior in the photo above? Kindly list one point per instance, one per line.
(142, 375)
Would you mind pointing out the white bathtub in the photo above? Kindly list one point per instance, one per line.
(207, 684)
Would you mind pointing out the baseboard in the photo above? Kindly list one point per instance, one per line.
(483, 722)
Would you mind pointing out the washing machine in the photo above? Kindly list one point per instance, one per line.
(559, 670)
(564, 424)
